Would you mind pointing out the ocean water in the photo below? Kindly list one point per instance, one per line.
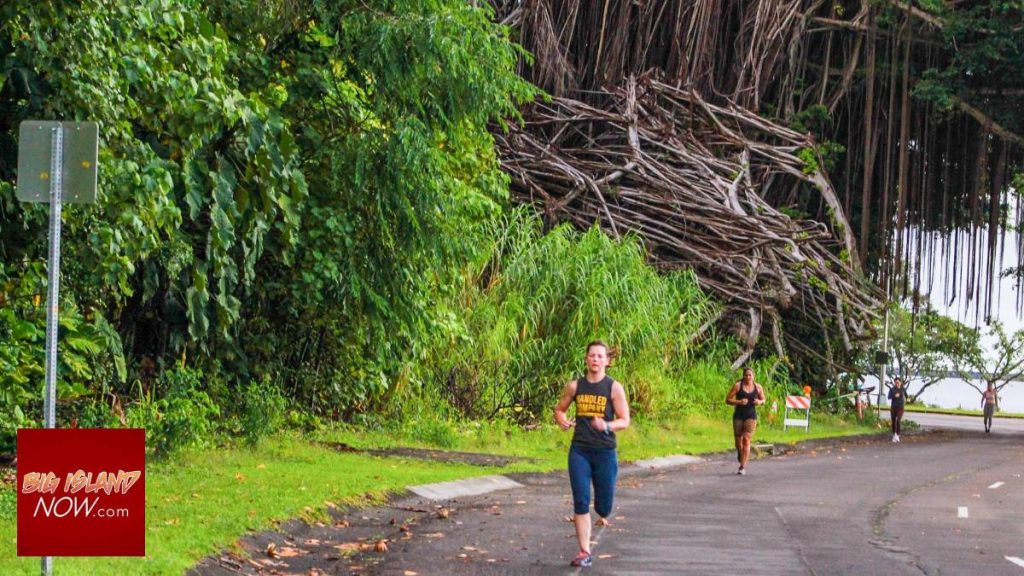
(955, 393)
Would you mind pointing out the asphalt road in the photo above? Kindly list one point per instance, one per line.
(945, 502)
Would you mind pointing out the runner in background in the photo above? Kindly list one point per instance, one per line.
(897, 401)
(989, 401)
(745, 395)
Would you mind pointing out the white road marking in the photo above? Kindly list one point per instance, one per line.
(996, 485)
(1015, 560)
(961, 512)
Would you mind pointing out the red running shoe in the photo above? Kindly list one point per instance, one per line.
(583, 559)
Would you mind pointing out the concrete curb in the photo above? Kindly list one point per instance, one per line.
(668, 461)
(465, 487)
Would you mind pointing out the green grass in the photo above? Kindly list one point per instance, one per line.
(203, 501)
(547, 446)
(960, 411)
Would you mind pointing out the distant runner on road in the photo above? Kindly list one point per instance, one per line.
(989, 401)
(601, 409)
(897, 401)
(745, 395)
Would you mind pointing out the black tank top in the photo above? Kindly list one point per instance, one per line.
(749, 411)
(593, 399)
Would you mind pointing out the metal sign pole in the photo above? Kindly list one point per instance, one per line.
(53, 279)
(44, 147)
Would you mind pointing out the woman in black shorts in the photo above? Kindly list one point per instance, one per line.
(746, 395)
(897, 401)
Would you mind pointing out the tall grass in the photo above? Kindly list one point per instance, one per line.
(525, 314)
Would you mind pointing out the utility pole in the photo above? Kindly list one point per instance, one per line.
(883, 357)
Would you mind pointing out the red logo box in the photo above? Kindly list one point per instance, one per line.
(81, 492)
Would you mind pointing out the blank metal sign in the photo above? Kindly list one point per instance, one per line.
(35, 146)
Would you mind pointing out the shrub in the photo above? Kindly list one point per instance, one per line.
(184, 417)
(263, 409)
(433, 431)
(95, 414)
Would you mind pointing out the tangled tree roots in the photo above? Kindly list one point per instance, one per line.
(690, 178)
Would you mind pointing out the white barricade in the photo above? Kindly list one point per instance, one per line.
(798, 403)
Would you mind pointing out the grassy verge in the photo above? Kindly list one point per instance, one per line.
(203, 501)
(958, 411)
(546, 447)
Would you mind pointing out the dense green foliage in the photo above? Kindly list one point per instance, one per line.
(284, 189)
(987, 62)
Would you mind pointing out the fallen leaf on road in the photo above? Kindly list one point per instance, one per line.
(311, 542)
(605, 556)
(403, 528)
(341, 524)
(381, 546)
(272, 550)
(289, 552)
(443, 513)
(350, 548)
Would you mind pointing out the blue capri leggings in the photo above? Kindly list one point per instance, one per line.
(599, 466)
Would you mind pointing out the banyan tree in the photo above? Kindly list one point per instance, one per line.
(785, 150)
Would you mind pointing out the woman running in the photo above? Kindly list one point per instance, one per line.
(601, 410)
(897, 400)
(745, 395)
